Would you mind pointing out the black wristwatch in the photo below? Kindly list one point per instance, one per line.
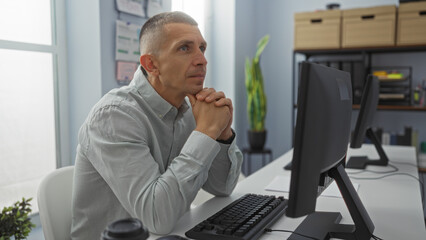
(229, 140)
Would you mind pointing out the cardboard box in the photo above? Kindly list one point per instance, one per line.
(411, 24)
(369, 27)
(317, 30)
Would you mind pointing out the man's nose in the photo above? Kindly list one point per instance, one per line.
(200, 59)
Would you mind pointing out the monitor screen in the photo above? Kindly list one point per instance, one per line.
(363, 127)
(321, 142)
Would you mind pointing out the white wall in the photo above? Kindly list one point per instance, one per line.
(84, 62)
(221, 43)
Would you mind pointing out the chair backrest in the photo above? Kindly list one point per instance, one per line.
(54, 202)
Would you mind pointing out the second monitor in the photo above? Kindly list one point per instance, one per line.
(363, 127)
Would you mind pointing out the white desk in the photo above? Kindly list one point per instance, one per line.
(393, 203)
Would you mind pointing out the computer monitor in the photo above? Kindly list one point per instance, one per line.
(363, 127)
(321, 141)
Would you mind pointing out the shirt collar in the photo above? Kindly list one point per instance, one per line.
(158, 104)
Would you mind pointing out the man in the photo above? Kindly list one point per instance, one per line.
(144, 151)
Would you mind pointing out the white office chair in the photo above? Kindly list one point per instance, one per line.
(54, 202)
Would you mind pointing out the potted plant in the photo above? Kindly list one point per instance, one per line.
(14, 221)
(256, 98)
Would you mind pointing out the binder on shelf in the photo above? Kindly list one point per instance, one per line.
(405, 139)
(385, 138)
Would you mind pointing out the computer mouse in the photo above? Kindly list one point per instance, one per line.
(172, 237)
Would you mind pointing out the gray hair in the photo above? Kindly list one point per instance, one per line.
(150, 37)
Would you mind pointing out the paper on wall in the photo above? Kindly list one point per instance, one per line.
(125, 71)
(127, 41)
(158, 6)
(131, 6)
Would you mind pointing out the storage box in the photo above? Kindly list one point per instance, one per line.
(317, 30)
(369, 27)
(411, 24)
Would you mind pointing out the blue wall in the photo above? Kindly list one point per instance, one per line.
(245, 38)
(108, 16)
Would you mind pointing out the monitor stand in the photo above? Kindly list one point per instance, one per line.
(361, 162)
(288, 166)
(325, 225)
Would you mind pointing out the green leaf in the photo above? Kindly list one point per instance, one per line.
(249, 76)
(260, 47)
(256, 98)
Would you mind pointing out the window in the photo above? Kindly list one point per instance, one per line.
(29, 104)
(194, 8)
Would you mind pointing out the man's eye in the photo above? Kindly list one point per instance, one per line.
(184, 48)
(203, 48)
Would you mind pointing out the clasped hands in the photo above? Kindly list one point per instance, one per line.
(213, 113)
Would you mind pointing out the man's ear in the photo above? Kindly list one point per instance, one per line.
(147, 62)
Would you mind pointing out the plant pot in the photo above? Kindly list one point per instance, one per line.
(256, 139)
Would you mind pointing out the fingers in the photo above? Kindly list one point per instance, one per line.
(215, 96)
(224, 102)
(209, 95)
(201, 96)
(192, 99)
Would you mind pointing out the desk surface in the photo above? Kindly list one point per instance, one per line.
(393, 203)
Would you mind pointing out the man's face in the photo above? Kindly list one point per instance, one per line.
(181, 62)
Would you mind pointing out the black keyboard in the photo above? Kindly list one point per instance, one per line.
(245, 218)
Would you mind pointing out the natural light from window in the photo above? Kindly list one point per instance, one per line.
(194, 8)
(27, 149)
(27, 99)
(25, 21)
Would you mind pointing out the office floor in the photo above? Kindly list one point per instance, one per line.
(36, 234)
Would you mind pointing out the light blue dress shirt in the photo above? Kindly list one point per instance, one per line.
(139, 156)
